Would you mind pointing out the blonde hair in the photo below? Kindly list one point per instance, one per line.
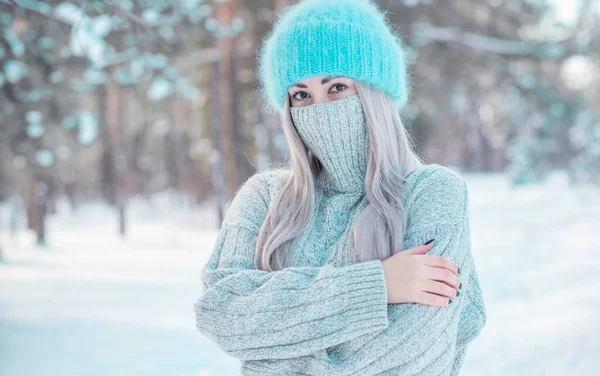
(378, 230)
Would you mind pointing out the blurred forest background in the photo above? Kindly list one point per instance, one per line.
(126, 127)
(118, 98)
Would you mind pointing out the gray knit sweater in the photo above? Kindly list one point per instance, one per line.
(325, 314)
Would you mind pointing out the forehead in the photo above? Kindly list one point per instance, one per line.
(315, 80)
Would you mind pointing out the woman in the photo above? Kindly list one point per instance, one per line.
(356, 260)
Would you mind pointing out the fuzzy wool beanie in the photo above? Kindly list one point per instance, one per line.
(351, 38)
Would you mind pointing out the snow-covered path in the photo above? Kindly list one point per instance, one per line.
(92, 304)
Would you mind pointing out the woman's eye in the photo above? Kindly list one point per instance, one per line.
(301, 95)
(338, 86)
(305, 94)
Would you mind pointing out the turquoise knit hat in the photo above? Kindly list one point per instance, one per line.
(351, 38)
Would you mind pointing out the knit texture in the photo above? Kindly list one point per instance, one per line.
(351, 38)
(336, 132)
(326, 314)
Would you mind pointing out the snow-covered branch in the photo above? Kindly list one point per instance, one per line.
(424, 33)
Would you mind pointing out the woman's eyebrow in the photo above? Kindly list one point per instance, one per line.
(323, 81)
(329, 78)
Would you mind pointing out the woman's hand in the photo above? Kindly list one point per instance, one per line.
(412, 276)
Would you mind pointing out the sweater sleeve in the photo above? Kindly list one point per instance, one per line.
(420, 339)
(254, 314)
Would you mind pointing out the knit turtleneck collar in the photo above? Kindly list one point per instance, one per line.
(336, 133)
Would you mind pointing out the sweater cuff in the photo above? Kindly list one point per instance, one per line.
(367, 293)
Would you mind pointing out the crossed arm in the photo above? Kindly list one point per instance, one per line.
(417, 340)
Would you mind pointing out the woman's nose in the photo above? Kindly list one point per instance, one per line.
(321, 99)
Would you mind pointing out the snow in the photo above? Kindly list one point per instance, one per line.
(44, 157)
(537, 253)
(160, 88)
(95, 304)
(35, 130)
(37, 6)
(17, 47)
(578, 72)
(88, 127)
(14, 70)
(69, 13)
(152, 16)
(87, 35)
(94, 76)
(34, 116)
(101, 25)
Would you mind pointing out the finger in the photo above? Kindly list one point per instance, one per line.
(441, 262)
(432, 299)
(442, 275)
(439, 288)
(420, 250)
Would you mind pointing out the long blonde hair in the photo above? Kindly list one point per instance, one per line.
(378, 230)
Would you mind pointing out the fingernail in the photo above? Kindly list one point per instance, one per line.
(429, 241)
(460, 285)
(457, 293)
(458, 269)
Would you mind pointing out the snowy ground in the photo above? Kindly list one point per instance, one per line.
(92, 304)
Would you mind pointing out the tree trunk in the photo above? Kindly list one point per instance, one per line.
(216, 157)
(225, 46)
(107, 160)
(116, 120)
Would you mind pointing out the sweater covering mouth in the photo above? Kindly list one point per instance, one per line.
(336, 133)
